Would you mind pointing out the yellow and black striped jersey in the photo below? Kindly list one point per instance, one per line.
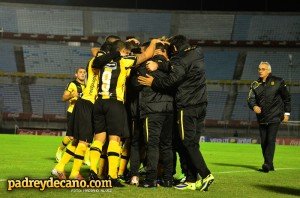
(91, 90)
(113, 78)
(71, 87)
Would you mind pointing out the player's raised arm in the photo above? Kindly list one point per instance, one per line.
(148, 53)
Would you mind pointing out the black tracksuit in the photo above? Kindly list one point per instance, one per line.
(134, 122)
(187, 75)
(274, 100)
(156, 108)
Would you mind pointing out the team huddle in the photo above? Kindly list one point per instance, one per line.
(161, 113)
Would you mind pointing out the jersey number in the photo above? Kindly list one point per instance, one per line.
(106, 78)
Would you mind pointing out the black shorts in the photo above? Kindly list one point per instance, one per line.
(110, 116)
(70, 124)
(83, 120)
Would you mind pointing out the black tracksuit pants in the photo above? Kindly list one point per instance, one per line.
(268, 134)
(137, 146)
(190, 127)
(158, 138)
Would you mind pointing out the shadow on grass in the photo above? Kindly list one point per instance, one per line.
(51, 159)
(279, 189)
(238, 165)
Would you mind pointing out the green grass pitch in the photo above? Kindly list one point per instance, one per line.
(233, 165)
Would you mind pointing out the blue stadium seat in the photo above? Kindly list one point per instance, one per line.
(216, 103)
(55, 59)
(241, 110)
(220, 65)
(47, 99)
(10, 98)
(7, 57)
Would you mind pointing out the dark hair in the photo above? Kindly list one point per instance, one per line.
(180, 42)
(106, 47)
(132, 44)
(118, 45)
(112, 38)
(146, 44)
(162, 47)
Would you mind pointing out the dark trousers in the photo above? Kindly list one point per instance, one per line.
(158, 136)
(268, 134)
(137, 146)
(178, 148)
(190, 128)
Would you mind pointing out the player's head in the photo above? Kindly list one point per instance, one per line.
(80, 73)
(106, 47)
(161, 49)
(122, 47)
(112, 38)
(178, 43)
(134, 45)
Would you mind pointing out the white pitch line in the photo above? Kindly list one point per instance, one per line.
(223, 172)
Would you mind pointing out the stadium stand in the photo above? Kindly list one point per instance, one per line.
(43, 35)
(295, 115)
(206, 26)
(216, 104)
(241, 110)
(47, 99)
(39, 20)
(8, 19)
(54, 59)
(272, 27)
(266, 28)
(279, 62)
(151, 24)
(10, 98)
(7, 57)
(220, 65)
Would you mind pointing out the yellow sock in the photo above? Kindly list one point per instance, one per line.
(123, 161)
(113, 154)
(95, 152)
(87, 156)
(66, 157)
(66, 140)
(78, 159)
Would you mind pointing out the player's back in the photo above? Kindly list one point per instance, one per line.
(113, 78)
(91, 90)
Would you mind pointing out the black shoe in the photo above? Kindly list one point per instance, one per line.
(176, 182)
(167, 183)
(159, 182)
(264, 168)
(116, 183)
(122, 179)
(148, 184)
(93, 175)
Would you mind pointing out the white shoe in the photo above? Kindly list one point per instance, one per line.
(134, 181)
(58, 174)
